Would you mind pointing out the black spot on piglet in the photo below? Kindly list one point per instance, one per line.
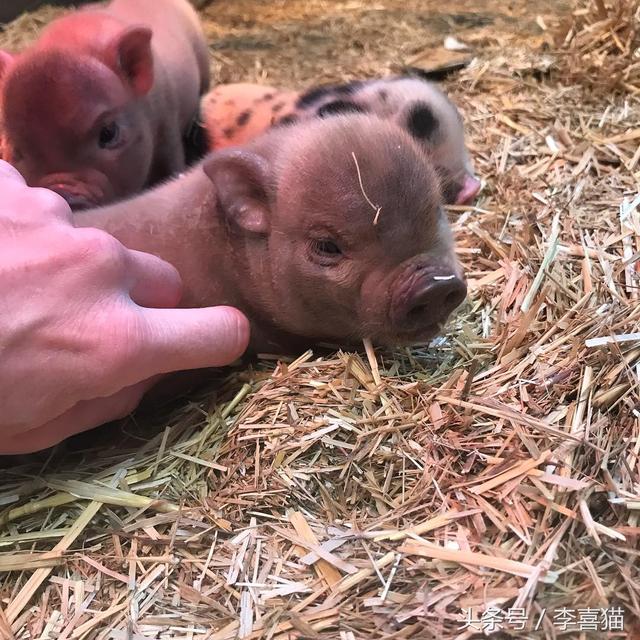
(243, 118)
(339, 106)
(287, 120)
(313, 95)
(348, 88)
(422, 122)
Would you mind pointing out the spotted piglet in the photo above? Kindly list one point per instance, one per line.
(236, 113)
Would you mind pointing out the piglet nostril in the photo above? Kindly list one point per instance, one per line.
(436, 300)
(455, 298)
(451, 293)
(419, 311)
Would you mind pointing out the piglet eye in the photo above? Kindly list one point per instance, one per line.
(109, 135)
(326, 248)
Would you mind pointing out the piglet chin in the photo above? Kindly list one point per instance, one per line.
(416, 337)
(469, 190)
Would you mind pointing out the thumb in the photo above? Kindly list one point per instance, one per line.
(180, 339)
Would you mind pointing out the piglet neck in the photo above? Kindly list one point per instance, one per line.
(178, 222)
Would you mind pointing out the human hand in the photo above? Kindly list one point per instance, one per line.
(86, 325)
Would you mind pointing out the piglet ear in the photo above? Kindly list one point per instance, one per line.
(241, 180)
(6, 60)
(131, 56)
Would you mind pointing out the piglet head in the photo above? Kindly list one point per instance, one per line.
(433, 120)
(72, 120)
(452, 162)
(338, 233)
(459, 184)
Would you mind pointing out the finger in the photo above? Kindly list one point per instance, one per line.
(50, 205)
(180, 339)
(156, 283)
(82, 417)
(8, 172)
(29, 203)
(32, 205)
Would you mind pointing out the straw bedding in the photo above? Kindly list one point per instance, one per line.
(386, 494)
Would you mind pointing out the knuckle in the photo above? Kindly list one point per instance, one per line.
(25, 208)
(99, 249)
(49, 202)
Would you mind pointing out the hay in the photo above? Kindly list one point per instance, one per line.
(385, 495)
(25, 29)
(600, 45)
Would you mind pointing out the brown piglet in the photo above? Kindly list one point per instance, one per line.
(329, 232)
(97, 108)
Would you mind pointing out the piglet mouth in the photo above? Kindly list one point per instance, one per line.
(77, 203)
(419, 336)
(79, 196)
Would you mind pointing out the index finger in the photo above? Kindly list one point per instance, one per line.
(155, 282)
(25, 206)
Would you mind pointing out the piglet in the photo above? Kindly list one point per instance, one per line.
(98, 107)
(234, 114)
(331, 231)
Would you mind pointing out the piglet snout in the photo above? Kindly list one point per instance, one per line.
(437, 299)
(468, 190)
(426, 298)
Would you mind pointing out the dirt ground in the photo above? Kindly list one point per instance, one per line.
(298, 42)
